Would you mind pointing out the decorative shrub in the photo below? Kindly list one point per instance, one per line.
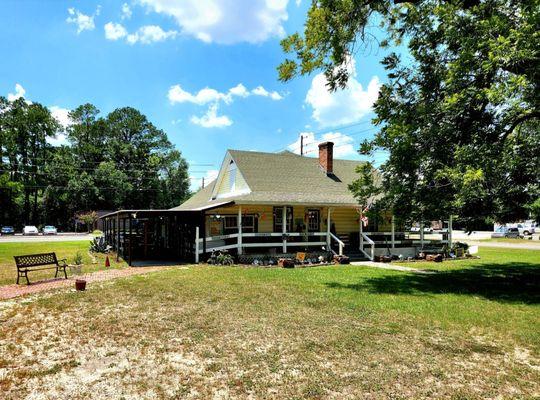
(78, 258)
(98, 245)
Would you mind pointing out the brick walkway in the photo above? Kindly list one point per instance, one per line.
(11, 291)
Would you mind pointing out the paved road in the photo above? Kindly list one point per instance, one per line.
(520, 245)
(61, 237)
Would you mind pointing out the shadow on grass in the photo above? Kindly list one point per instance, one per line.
(509, 282)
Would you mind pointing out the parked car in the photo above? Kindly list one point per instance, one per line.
(427, 229)
(49, 230)
(512, 233)
(526, 229)
(7, 230)
(499, 232)
(30, 230)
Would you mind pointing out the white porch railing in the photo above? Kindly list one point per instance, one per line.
(340, 243)
(365, 238)
(217, 243)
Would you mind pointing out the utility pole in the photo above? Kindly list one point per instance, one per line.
(301, 145)
(203, 182)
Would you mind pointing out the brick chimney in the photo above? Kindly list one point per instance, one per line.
(326, 157)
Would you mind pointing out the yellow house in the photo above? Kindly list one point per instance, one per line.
(264, 205)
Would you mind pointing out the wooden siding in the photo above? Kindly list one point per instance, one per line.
(345, 219)
(224, 185)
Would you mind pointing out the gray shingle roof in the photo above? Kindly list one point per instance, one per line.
(285, 178)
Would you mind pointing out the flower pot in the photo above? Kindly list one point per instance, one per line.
(80, 284)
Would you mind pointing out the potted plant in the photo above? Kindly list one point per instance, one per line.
(80, 284)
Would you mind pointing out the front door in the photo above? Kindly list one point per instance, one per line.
(314, 220)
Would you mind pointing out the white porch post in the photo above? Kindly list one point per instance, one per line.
(196, 244)
(328, 225)
(450, 232)
(393, 231)
(284, 228)
(422, 234)
(361, 231)
(239, 223)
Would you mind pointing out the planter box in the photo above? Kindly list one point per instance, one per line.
(342, 260)
(286, 263)
(434, 257)
(80, 284)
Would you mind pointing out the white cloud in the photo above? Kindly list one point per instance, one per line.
(62, 116)
(114, 31)
(84, 22)
(239, 90)
(213, 97)
(19, 92)
(260, 91)
(149, 34)
(225, 21)
(211, 175)
(178, 95)
(196, 182)
(343, 144)
(211, 119)
(126, 11)
(343, 106)
(59, 140)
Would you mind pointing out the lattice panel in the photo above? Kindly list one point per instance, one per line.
(35, 259)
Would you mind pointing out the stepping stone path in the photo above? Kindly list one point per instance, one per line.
(11, 291)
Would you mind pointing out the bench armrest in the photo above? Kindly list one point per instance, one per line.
(63, 262)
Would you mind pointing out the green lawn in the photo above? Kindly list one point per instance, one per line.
(470, 331)
(8, 271)
(491, 258)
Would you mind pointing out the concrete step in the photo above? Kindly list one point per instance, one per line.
(356, 256)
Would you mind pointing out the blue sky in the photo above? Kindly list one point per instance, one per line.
(204, 71)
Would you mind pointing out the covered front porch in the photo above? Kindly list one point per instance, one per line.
(254, 230)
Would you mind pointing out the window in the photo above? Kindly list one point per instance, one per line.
(314, 220)
(230, 224)
(248, 223)
(278, 219)
(232, 176)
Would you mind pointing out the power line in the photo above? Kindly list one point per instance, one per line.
(330, 130)
(92, 169)
(81, 189)
(344, 144)
(99, 162)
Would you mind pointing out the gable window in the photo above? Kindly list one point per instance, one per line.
(314, 220)
(232, 176)
(278, 219)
